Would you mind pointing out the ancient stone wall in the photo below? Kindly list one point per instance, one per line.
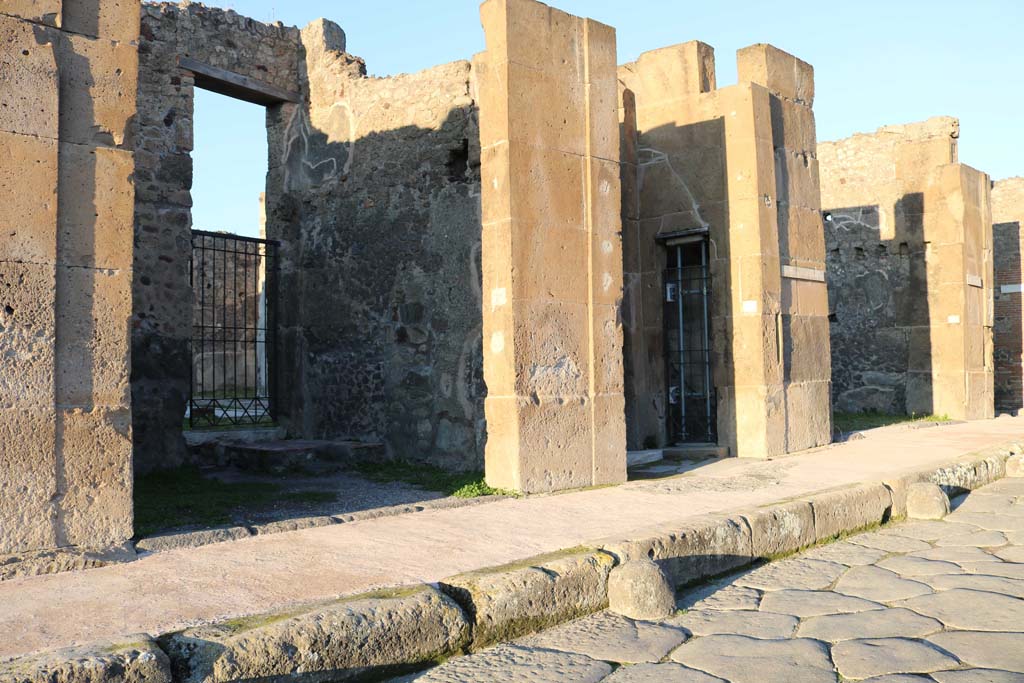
(552, 259)
(162, 309)
(910, 272)
(736, 164)
(68, 78)
(381, 258)
(1008, 219)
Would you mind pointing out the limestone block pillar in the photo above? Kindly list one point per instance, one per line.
(958, 229)
(66, 167)
(551, 249)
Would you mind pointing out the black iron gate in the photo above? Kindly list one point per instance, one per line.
(691, 394)
(234, 339)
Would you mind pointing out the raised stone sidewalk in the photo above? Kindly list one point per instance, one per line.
(718, 516)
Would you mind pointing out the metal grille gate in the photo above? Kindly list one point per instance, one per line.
(691, 395)
(233, 330)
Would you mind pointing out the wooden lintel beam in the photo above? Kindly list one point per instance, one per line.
(235, 85)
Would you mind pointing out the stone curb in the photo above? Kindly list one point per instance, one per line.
(395, 632)
(503, 603)
(373, 636)
(136, 660)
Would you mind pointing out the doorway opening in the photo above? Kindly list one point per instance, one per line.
(690, 397)
(232, 268)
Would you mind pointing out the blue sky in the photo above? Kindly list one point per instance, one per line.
(876, 63)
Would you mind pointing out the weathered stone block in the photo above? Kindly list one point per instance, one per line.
(780, 72)
(96, 503)
(706, 546)
(1015, 466)
(28, 79)
(97, 207)
(849, 509)
(926, 501)
(98, 82)
(116, 20)
(639, 589)
(27, 342)
(28, 192)
(133, 659)
(781, 529)
(29, 462)
(351, 639)
(92, 349)
(507, 602)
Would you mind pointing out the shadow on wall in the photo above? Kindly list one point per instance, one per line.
(680, 189)
(381, 310)
(880, 328)
(1007, 329)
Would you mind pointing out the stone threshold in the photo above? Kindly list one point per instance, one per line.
(394, 632)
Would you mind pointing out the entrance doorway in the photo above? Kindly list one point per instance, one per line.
(691, 395)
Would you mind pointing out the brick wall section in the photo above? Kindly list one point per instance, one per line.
(67, 74)
(1008, 219)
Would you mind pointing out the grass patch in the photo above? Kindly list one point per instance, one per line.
(856, 422)
(184, 497)
(458, 484)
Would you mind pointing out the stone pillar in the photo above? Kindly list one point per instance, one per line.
(551, 250)
(65, 273)
(958, 230)
(1008, 321)
(739, 165)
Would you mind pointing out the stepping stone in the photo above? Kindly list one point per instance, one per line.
(1013, 553)
(879, 623)
(980, 582)
(660, 673)
(898, 678)
(1010, 570)
(1003, 651)
(753, 624)
(880, 585)
(721, 596)
(879, 656)
(978, 539)
(970, 610)
(514, 664)
(958, 555)
(977, 676)
(850, 554)
(798, 573)
(740, 659)
(889, 542)
(905, 566)
(610, 637)
(814, 603)
(928, 530)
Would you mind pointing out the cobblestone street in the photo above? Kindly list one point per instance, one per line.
(914, 602)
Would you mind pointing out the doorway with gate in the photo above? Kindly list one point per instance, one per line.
(690, 394)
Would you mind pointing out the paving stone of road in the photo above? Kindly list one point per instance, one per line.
(914, 602)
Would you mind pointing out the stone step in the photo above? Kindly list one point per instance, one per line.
(307, 456)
